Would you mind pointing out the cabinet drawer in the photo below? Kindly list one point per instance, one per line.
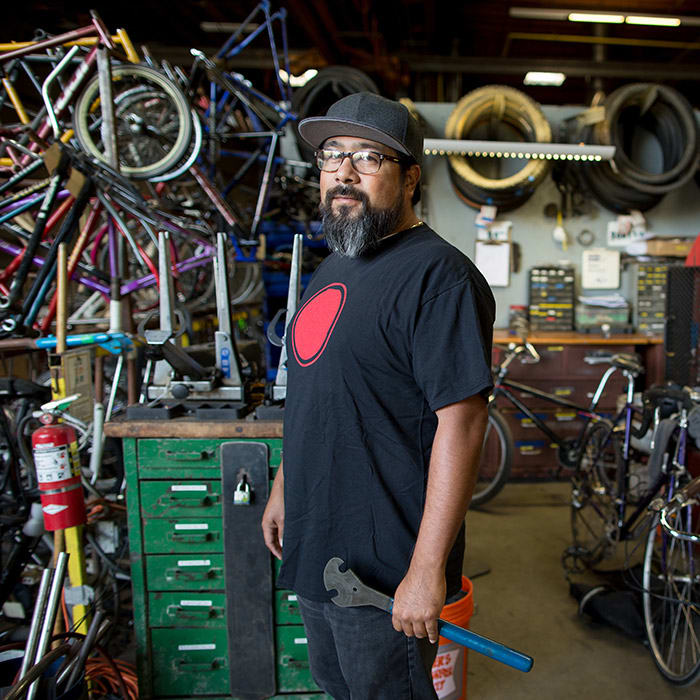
(186, 609)
(576, 366)
(293, 672)
(577, 391)
(171, 572)
(179, 459)
(189, 661)
(187, 535)
(181, 498)
(287, 608)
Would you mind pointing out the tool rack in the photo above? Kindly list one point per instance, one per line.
(208, 621)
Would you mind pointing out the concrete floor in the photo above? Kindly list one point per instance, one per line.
(524, 602)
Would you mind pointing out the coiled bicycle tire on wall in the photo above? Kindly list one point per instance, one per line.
(494, 104)
(659, 110)
(328, 86)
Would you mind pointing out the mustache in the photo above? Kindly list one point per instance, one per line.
(345, 191)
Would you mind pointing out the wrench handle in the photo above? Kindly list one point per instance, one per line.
(486, 646)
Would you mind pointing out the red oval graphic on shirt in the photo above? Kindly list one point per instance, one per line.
(315, 321)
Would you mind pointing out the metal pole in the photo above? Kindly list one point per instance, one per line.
(47, 626)
(37, 616)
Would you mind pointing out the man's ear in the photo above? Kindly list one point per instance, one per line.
(412, 177)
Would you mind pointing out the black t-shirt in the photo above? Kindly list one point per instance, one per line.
(379, 343)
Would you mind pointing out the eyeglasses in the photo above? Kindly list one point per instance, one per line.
(364, 162)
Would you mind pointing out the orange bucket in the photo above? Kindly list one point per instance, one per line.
(450, 667)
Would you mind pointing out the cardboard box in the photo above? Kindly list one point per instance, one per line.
(674, 247)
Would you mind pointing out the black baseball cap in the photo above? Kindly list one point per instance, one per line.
(365, 114)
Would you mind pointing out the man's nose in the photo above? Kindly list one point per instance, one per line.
(346, 173)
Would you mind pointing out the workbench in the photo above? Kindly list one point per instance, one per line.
(207, 618)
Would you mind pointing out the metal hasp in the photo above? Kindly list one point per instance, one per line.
(351, 592)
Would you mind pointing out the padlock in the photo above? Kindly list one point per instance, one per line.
(241, 496)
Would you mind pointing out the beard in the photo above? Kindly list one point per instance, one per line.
(354, 234)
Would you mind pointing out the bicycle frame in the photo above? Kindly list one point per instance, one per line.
(11, 59)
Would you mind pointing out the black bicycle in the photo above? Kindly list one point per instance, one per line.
(499, 447)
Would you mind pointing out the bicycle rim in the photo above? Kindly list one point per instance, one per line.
(496, 459)
(671, 597)
(592, 505)
(152, 119)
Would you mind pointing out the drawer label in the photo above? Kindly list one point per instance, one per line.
(191, 526)
(196, 603)
(196, 647)
(188, 487)
(194, 562)
(300, 640)
(292, 598)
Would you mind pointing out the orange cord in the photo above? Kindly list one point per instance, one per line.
(104, 680)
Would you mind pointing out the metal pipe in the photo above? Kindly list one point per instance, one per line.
(37, 617)
(52, 608)
(75, 666)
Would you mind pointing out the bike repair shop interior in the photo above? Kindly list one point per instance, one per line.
(157, 229)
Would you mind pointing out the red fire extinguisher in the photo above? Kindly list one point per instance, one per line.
(55, 450)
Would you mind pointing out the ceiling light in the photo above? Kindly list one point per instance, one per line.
(653, 21)
(298, 80)
(607, 17)
(535, 77)
(226, 27)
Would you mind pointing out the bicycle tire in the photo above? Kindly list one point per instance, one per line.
(140, 89)
(671, 601)
(592, 500)
(496, 459)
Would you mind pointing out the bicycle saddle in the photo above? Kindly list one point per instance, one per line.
(627, 362)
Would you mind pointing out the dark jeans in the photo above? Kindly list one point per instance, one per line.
(355, 654)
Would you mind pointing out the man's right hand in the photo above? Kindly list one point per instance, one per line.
(273, 517)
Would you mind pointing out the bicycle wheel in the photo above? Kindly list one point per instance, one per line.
(671, 597)
(593, 515)
(496, 458)
(152, 120)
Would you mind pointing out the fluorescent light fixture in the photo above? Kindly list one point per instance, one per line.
(653, 21)
(535, 77)
(608, 17)
(226, 27)
(298, 80)
(518, 149)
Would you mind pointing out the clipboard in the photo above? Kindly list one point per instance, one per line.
(493, 258)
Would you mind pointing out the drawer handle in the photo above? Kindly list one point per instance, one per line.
(175, 574)
(193, 537)
(213, 665)
(291, 662)
(193, 613)
(171, 500)
(196, 456)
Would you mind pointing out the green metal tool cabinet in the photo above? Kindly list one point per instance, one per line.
(182, 612)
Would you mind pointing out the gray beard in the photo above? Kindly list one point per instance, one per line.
(353, 236)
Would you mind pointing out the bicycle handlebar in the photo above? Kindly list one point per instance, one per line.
(687, 496)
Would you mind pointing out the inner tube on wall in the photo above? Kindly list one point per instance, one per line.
(485, 110)
(642, 109)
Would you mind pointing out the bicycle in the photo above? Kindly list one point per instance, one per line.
(498, 446)
(151, 115)
(671, 565)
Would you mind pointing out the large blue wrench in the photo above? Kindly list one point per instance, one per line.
(352, 592)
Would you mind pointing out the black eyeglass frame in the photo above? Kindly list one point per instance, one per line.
(349, 154)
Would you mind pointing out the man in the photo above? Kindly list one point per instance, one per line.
(388, 370)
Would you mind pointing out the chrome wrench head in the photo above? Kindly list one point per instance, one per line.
(351, 591)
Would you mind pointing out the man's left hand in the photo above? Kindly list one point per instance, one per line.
(418, 602)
